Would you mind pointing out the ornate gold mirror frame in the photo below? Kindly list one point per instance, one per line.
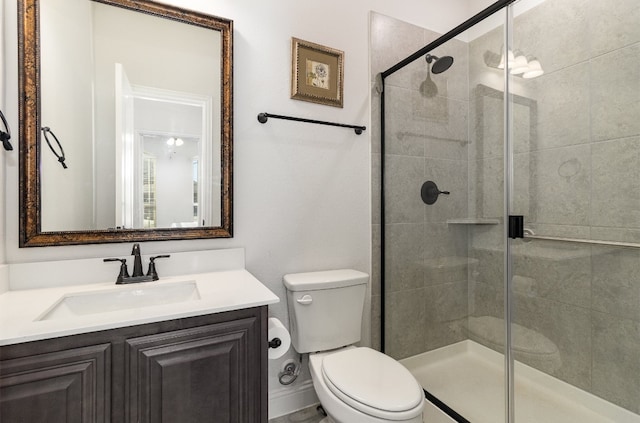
(30, 212)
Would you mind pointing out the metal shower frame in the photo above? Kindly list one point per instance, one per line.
(489, 11)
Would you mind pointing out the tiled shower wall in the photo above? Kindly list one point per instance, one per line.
(426, 139)
(577, 175)
(576, 136)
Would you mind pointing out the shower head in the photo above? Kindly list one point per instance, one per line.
(441, 64)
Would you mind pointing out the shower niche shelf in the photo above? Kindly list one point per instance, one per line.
(473, 221)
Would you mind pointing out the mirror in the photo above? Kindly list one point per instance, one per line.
(489, 132)
(125, 122)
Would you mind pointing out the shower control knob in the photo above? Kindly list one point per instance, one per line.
(305, 300)
(430, 192)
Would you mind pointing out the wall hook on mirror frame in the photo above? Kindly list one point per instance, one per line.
(5, 136)
(61, 157)
(263, 117)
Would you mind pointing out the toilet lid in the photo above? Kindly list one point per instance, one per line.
(372, 382)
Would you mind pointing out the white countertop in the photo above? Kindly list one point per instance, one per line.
(219, 291)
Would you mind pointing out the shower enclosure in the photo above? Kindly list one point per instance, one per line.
(506, 206)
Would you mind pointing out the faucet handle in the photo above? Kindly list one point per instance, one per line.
(124, 272)
(152, 266)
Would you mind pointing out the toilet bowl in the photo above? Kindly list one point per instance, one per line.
(361, 385)
(354, 384)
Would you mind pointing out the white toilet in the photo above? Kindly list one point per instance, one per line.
(354, 384)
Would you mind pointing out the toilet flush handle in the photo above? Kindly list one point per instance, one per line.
(305, 299)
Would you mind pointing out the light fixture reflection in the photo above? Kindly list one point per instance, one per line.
(175, 141)
(535, 69)
(518, 64)
(510, 59)
(521, 65)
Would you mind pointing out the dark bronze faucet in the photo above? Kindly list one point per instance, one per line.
(137, 261)
(138, 275)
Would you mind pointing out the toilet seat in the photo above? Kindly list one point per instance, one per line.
(373, 383)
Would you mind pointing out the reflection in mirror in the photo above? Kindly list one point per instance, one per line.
(141, 103)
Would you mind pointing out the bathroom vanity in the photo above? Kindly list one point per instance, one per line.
(200, 369)
(187, 348)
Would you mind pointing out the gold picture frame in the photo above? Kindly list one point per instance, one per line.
(317, 73)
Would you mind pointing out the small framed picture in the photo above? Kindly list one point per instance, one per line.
(317, 73)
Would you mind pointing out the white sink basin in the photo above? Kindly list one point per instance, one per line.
(121, 298)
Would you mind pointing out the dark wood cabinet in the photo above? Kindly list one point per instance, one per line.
(202, 369)
(63, 386)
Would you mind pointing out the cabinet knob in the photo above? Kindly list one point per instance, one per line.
(305, 300)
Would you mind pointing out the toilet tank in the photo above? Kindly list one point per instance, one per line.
(325, 308)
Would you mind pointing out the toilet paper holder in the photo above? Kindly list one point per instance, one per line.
(275, 343)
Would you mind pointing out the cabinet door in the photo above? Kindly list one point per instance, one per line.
(64, 386)
(204, 374)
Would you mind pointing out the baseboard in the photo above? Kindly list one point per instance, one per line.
(286, 400)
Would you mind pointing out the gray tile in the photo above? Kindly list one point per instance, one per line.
(612, 26)
(615, 234)
(562, 180)
(524, 192)
(487, 134)
(440, 334)
(616, 360)
(374, 130)
(446, 302)
(483, 52)
(615, 186)
(563, 107)
(454, 82)
(616, 282)
(525, 122)
(375, 259)
(375, 189)
(442, 240)
(489, 267)
(556, 271)
(485, 300)
(615, 94)
(404, 177)
(392, 40)
(488, 187)
(568, 327)
(404, 122)
(446, 269)
(404, 250)
(405, 323)
(446, 128)
(376, 322)
(556, 32)
(451, 176)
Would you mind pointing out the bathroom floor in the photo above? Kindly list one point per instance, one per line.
(306, 415)
(310, 415)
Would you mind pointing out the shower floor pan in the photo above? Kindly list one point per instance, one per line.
(469, 378)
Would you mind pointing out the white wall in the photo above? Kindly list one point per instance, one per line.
(174, 180)
(113, 29)
(67, 194)
(301, 192)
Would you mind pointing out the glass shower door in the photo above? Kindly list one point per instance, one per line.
(444, 254)
(575, 289)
